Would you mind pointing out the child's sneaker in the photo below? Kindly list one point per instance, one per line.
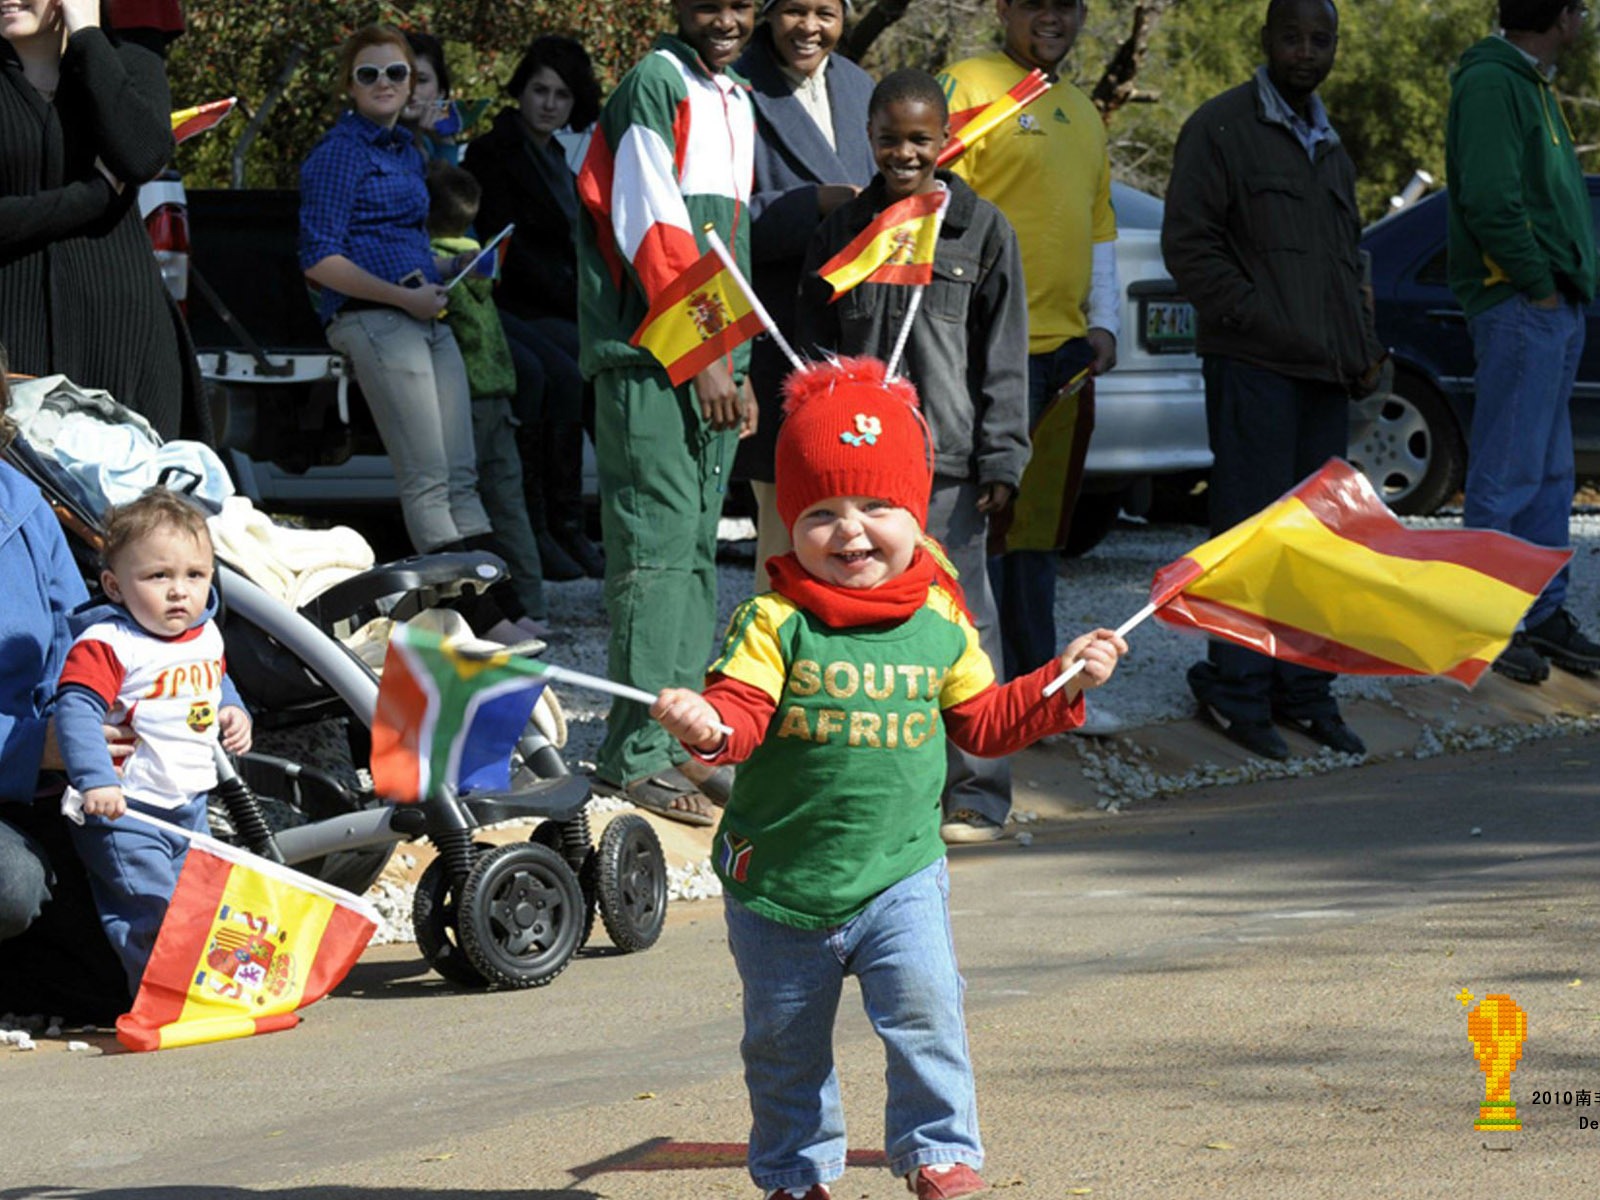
(941, 1182)
(816, 1191)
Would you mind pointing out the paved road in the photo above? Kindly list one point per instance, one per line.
(1250, 992)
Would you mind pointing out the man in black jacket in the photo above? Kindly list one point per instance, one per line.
(1262, 234)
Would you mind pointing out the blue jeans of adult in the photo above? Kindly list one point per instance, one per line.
(415, 384)
(981, 785)
(900, 950)
(1024, 581)
(1268, 432)
(1519, 450)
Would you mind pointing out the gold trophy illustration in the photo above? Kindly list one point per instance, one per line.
(1498, 1028)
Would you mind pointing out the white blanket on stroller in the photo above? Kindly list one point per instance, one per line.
(293, 565)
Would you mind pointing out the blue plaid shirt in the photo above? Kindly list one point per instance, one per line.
(362, 195)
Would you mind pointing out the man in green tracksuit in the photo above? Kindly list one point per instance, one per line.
(1522, 263)
(673, 151)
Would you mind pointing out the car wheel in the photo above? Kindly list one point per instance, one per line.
(1408, 444)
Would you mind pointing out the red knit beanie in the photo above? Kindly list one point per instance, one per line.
(849, 432)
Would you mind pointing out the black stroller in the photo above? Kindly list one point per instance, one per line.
(509, 916)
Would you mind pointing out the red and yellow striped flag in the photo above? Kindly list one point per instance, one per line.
(970, 124)
(897, 247)
(1327, 577)
(245, 944)
(699, 317)
(186, 122)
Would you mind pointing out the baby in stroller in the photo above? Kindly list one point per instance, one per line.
(290, 667)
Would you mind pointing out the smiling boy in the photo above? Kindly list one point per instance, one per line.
(967, 355)
(840, 687)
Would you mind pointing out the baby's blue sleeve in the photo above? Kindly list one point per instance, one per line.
(80, 713)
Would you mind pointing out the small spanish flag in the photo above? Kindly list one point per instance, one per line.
(1327, 577)
(186, 122)
(896, 248)
(967, 126)
(699, 317)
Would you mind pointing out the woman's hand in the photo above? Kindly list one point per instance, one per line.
(234, 725)
(80, 14)
(119, 742)
(689, 717)
(425, 302)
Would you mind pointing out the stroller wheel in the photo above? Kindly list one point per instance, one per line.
(520, 915)
(631, 887)
(548, 833)
(434, 920)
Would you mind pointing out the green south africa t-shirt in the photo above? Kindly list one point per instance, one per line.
(841, 798)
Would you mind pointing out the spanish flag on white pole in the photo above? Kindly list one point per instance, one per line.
(699, 317)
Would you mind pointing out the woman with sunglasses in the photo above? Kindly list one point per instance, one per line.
(83, 122)
(364, 243)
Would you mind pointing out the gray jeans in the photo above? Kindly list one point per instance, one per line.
(981, 785)
(415, 383)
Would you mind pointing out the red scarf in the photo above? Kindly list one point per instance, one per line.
(841, 608)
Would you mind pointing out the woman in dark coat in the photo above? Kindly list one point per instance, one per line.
(526, 181)
(804, 170)
(84, 120)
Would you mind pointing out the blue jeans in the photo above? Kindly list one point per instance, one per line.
(900, 949)
(415, 384)
(1519, 450)
(1024, 581)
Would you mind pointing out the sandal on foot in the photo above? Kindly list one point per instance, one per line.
(715, 782)
(665, 796)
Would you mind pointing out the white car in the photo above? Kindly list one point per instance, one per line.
(1150, 412)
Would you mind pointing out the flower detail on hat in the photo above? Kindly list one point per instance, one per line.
(867, 431)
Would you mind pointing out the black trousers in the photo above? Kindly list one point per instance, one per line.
(1268, 432)
(61, 965)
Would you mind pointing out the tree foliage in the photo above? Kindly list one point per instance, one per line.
(1388, 93)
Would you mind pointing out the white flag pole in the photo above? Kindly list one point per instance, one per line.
(756, 306)
(901, 338)
(1072, 672)
(578, 679)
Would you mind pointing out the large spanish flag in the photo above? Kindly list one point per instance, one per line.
(244, 945)
(1327, 577)
(896, 248)
(698, 317)
(967, 126)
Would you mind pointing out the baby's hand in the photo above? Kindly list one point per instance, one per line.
(1099, 652)
(104, 802)
(234, 725)
(689, 717)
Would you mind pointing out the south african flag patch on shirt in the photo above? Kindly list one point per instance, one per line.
(736, 856)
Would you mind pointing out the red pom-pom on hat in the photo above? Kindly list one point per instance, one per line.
(850, 431)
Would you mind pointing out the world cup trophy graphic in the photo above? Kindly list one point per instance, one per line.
(1498, 1028)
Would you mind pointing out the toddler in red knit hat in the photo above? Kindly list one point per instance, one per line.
(836, 691)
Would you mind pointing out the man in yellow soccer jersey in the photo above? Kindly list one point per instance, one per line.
(1047, 170)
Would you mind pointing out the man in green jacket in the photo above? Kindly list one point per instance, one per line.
(1522, 263)
(672, 153)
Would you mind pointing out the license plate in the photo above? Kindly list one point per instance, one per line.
(1168, 326)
